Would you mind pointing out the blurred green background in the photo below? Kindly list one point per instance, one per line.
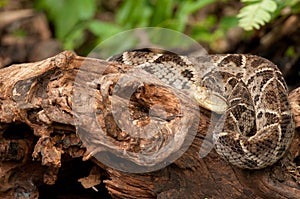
(75, 21)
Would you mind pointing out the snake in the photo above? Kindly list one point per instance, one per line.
(256, 126)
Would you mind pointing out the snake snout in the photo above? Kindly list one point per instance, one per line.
(210, 100)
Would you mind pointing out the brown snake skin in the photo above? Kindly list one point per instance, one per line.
(256, 126)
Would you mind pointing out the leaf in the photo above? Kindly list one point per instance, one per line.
(228, 22)
(256, 13)
(192, 6)
(103, 29)
(162, 11)
(67, 14)
(187, 8)
(134, 13)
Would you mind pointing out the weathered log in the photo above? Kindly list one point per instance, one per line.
(50, 112)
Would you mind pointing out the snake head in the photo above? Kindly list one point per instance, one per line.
(210, 100)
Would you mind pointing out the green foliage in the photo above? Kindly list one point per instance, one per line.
(291, 52)
(171, 14)
(203, 30)
(257, 13)
(71, 19)
(185, 9)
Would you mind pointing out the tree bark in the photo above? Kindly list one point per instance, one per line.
(68, 107)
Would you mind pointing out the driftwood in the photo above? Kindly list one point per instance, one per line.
(40, 112)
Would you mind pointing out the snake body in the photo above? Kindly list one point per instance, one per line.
(256, 124)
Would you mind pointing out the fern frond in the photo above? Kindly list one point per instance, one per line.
(256, 13)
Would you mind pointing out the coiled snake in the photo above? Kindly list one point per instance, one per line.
(256, 126)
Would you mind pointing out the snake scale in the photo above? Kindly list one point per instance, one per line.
(256, 123)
